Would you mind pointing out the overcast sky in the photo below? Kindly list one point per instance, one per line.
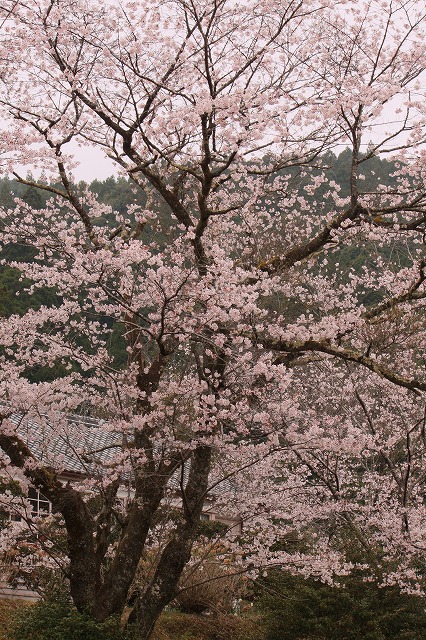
(93, 164)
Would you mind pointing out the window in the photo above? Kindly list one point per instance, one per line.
(40, 505)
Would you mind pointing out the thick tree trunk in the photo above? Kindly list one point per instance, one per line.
(113, 593)
(84, 568)
(84, 572)
(177, 552)
(103, 598)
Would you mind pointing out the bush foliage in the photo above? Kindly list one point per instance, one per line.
(299, 609)
(59, 620)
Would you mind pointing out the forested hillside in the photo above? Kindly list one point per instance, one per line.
(117, 193)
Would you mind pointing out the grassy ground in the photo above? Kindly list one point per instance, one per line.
(181, 626)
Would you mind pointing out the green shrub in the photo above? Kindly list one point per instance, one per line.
(59, 620)
(298, 609)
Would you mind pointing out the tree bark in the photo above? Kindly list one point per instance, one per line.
(177, 552)
(84, 568)
(113, 593)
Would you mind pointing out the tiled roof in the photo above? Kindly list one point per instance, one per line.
(78, 444)
(81, 445)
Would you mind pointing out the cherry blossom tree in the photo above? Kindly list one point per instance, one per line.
(263, 368)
